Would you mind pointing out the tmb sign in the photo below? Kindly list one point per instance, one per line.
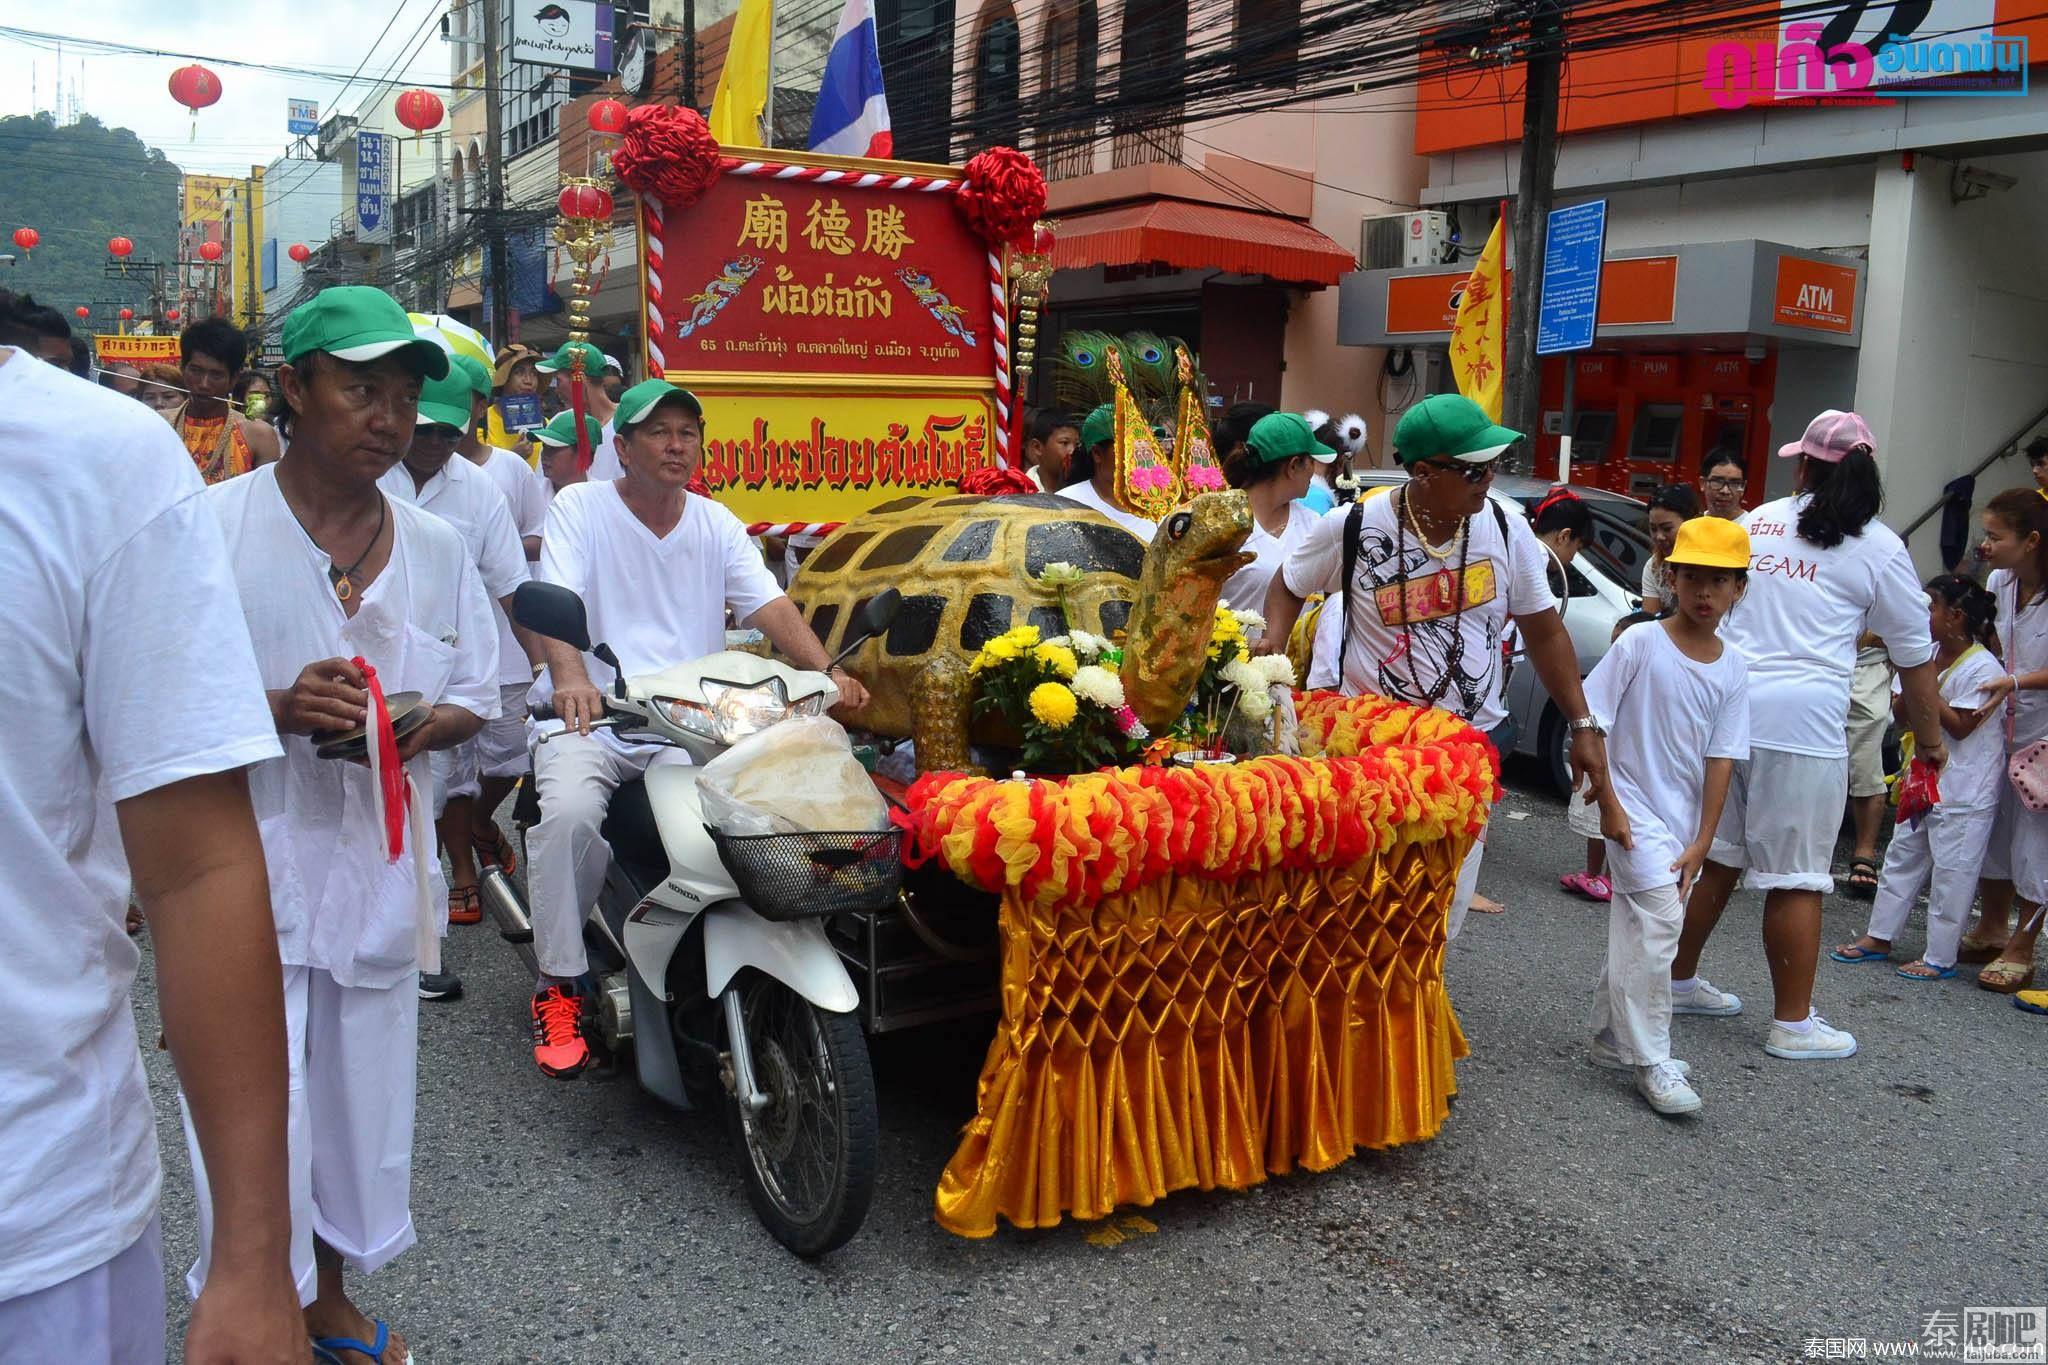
(1814, 295)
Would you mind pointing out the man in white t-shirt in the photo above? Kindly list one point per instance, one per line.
(1439, 572)
(604, 458)
(657, 567)
(331, 570)
(1098, 490)
(122, 633)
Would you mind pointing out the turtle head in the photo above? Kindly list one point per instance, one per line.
(1197, 548)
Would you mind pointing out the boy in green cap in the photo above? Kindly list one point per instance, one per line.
(330, 570)
(1434, 576)
(604, 463)
(1094, 472)
(616, 543)
(557, 442)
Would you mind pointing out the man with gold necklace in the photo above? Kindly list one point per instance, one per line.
(1435, 574)
(221, 442)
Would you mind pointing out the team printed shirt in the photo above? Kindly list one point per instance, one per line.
(1415, 635)
(1798, 622)
(131, 668)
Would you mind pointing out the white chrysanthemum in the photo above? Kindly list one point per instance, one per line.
(1084, 643)
(1255, 706)
(1276, 669)
(1240, 674)
(1250, 620)
(1099, 685)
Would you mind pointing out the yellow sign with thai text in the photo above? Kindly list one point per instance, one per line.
(206, 197)
(136, 350)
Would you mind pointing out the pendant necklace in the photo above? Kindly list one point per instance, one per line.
(1451, 546)
(344, 586)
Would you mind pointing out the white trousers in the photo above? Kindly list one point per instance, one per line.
(1468, 883)
(1633, 1000)
(574, 778)
(353, 1054)
(112, 1314)
(1949, 846)
(2019, 848)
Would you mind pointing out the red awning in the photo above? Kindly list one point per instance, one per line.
(1200, 237)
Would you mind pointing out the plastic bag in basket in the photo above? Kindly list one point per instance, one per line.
(791, 778)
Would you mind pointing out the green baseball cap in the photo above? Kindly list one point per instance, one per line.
(638, 402)
(564, 359)
(1098, 426)
(445, 401)
(1450, 425)
(475, 371)
(1282, 436)
(560, 432)
(359, 323)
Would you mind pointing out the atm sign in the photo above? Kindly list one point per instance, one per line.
(1815, 295)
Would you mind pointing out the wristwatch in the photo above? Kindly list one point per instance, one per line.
(1587, 723)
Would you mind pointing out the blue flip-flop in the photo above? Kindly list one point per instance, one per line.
(2028, 1006)
(1940, 973)
(1860, 954)
(327, 1350)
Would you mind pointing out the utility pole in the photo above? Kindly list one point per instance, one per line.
(497, 267)
(689, 54)
(1522, 409)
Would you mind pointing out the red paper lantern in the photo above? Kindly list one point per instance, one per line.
(127, 315)
(584, 201)
(170, 315)
(419, 110)
(300, 252)
(119, 246)
(210, 251)
(26, 238)
(195, 87)
(82, 311)
(608, 117)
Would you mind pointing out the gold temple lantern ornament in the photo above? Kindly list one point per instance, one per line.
(585, 235)
(1030, 280)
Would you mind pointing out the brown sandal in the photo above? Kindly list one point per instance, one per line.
(496, 850)
(465, 905)
(2006, 978)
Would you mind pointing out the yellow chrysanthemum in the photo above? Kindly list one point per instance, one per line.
(1058, 658)
(1022, 638)
(1054, 705)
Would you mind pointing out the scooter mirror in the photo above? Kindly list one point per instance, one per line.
(554, 611)
(880, 612)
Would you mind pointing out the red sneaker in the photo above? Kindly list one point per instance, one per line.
(558, 1046)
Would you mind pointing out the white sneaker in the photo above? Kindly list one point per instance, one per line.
(1706, 998)
(1604, 1052)
(1820, 1043)
(1664, 1086)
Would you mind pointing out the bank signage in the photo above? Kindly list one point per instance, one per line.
(1817, 296)
(1891, 51)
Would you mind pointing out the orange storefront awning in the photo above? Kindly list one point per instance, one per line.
(1200, 237)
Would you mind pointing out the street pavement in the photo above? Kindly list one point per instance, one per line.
(1554, 1218)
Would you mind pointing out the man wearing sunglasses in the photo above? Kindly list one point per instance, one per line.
(1431, 575)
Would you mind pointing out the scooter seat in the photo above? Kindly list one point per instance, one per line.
(630, 829)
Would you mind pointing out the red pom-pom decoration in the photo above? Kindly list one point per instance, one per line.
(1002, 196)
(669, 153)
(991, 482)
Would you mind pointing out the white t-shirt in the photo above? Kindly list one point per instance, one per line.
(131, 670)
(1665, 715)
(1974, 775)
(524, 497)
(656, 601)
(1441, 656)
(468, 499)
(1799, 621)
(1322, 659)
(604, 461)
(1084, 493)
(1245, 590)
(2023, 634)
(426, 625)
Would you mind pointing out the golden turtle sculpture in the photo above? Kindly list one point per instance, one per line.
(968, 570)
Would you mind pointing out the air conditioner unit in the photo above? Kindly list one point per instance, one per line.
(1394, 240)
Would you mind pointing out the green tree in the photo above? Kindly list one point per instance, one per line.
(79, 185)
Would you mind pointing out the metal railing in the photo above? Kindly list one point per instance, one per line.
(2009, 446)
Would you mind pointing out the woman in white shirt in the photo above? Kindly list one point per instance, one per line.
(1274, 466)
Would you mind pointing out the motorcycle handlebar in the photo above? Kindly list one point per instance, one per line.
(544, 711)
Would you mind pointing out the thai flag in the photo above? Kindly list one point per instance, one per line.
(852, 117)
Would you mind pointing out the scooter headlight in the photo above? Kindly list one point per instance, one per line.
(730, 712)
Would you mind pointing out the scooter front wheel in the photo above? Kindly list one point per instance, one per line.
(811, 1149)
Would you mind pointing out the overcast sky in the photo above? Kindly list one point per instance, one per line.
(247, 126)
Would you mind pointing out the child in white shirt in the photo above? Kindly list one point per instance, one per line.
(1949, 843)
(1675, 703)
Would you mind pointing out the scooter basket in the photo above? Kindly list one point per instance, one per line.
(805, 876)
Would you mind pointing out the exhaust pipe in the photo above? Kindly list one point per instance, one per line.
(506, 907)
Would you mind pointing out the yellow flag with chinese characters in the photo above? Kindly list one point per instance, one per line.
(743, 81)
(1476, 336)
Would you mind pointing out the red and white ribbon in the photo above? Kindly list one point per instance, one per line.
(858, 180)
(793, 528)
(999, 309)
(652, 247)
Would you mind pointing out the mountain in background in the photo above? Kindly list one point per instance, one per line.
(79, 185)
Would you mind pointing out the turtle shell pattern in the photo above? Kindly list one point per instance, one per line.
(967, 569)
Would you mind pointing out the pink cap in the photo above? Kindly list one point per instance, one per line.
(1829, 437)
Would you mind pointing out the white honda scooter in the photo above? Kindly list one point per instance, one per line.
(708, 951)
